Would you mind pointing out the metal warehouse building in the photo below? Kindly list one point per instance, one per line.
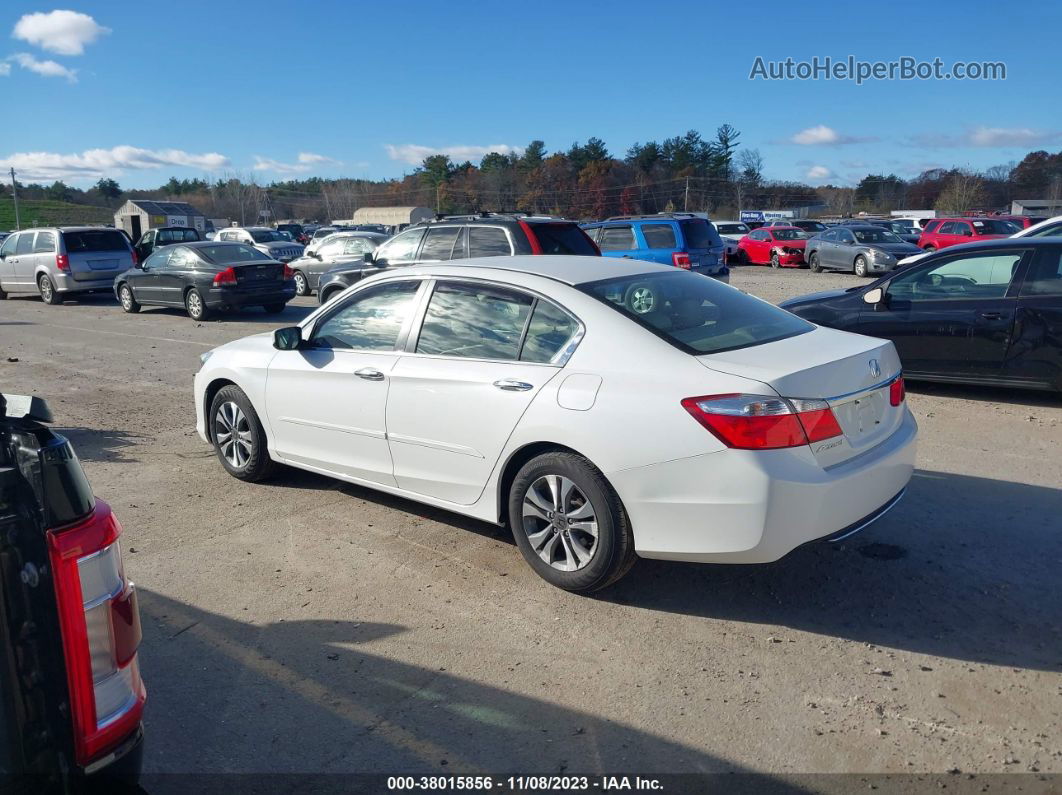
(137, 216)
(392, 216)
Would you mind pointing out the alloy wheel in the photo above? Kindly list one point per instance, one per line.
(195, 305)
(560, 523)
(46, 289)
(127, 298)
(642, 300)
(232, 432)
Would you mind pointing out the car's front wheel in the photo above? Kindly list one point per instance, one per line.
(302, 287)
(569, 523)
(238, 438)
(860, 267)
(125, 296)
(813, 262)
(775, 261)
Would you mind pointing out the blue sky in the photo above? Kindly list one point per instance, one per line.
(141, 91)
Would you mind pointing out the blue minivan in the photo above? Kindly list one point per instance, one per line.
(684, 240)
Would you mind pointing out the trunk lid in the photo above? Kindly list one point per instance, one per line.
(96, 254)
(265, 274)
(850, 371)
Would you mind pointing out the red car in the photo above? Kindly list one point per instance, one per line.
(944, 232)
(778, 246)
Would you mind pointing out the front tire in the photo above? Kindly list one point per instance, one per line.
(569, 523)
(302, 286)
(860, 266)
(195, 306)
(813, 262)
(47, 290)
(128, 302)
(238, 437)
(775, 261)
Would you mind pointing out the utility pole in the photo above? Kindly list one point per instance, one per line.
(438, 201)
(686, 201)
(14, 195)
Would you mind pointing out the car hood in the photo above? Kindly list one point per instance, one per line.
(812, 298)
(276, 245)
(899, 250)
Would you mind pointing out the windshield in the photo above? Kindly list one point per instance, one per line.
(700, 234)
(694, 313)
(230, 252)
(810, 226)
(994, 227)
(563, 239)
(266, 236)
(732, 229)
(789, 234)
(875, 236)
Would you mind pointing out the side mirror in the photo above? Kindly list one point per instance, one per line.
(287, 339)
(316, 254)
(874, 297)
(967, 233)
(368, 257)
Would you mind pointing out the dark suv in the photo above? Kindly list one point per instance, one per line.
(465, 237)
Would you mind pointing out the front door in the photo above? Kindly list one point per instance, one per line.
(952, 317)
(482, 354)
(144, 280)
(325, 403)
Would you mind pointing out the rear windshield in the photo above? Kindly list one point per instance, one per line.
(700, 234)
(994, 227)
(563, 239)
(875, 236)
(94, 240)
(695, 313)
(266, 236)
(732, 229)
(238, 252)
(789, 234)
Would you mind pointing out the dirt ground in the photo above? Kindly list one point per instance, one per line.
(307, 625)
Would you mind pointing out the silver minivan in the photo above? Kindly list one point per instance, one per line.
(59, 261)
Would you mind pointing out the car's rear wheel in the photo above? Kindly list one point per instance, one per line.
(569, 523)
(125, 296)
(238, 438)
(302, 286)
(813, 262)
(47, 290)
(273, 309)
(929, 249)
(860, 266)
(195, 306)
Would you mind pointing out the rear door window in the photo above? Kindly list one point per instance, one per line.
(488, 241)
(1045, 277)
(94, 240)
(616, 238)
(45, 243)
(554, 238)
(593, 232)
(25, 243)
(550, 329)
(473, 321)
(439, 243)
(659, 235)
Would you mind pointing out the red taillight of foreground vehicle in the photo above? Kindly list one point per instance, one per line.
(897, 391)
(288, 273)
(62, 262)
(100, 626)
(225, 278)
(760, 422)
(680, 259)
(532, 239)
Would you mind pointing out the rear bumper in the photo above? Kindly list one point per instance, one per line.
(65, 283)
(218, 297)
(742, 506)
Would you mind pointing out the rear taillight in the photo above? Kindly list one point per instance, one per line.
(760, 422)
(100, 626)
(225, 278)
(532, 239)
(136, 259)
(288, 273)
(62, 262)
(897, 391)
(680, 259)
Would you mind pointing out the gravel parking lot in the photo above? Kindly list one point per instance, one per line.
(308, 625)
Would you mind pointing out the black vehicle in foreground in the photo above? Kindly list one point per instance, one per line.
(982, 313)
(71, 696)
(206, 277)
(154, 239)
(339, 277)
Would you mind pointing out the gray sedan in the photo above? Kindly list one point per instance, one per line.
(863, 250)
(340, 250)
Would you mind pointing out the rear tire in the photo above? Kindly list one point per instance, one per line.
(860, 267)
(302, 286)
(929, 249)
(195, 306)
(47, 290)
(813, 262)
(128, 302)
(238, 437)
(569, 523)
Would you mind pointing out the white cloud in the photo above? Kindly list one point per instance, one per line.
(818, 172)
(5, 69)
(43, 68)
(821, 135)
(988, 137)
(415, 154)
(306, 161)
(61, 32)
(95, 163)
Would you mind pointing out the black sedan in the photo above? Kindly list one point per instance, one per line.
(982, 313)
(206, 277)
(340, 277)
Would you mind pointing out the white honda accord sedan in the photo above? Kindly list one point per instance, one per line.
(604, 409)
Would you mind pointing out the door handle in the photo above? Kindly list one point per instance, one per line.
(991, 315)
(509, 385)
(369, 374)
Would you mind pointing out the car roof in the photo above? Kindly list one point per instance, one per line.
(567, 269)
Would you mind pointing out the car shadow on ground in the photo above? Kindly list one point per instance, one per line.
(291, 316)
(321, 696)
(986, 394)
(964, 568)
(95, 445)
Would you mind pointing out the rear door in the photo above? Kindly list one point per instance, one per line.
(617, 241)
(480, 356)
(97, 254)
(1035, 352)
(953, 317)
(659, 242)
(44, 250)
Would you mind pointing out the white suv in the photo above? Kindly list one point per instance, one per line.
(269, 241)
